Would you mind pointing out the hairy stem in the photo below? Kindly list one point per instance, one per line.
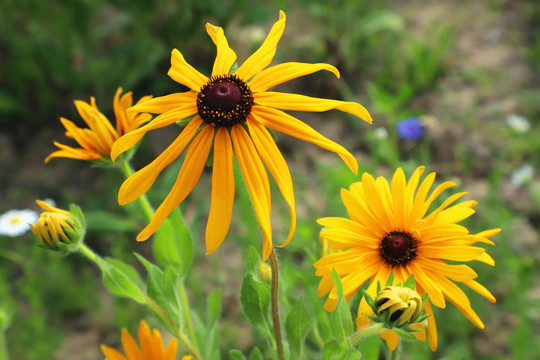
(275, 304)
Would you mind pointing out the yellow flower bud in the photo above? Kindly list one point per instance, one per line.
(265, 272)
(403, 304)
(56, 228)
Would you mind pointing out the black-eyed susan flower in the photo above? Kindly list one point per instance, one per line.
(96, 141)
(390, 230)
(231, 112)
(401, 303)
(151, 346)
(59, 229)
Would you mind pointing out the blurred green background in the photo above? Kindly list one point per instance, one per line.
(462, 67)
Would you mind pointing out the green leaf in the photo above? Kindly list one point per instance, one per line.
(128, 270)
(214, 307)
(173, 244)
(329, 349)
(255, 354)
(405, 335)
(297, 326)
(236, 355)
(409, 283)
(255, 298)
(252, 259)
(341, 321)
(118, 282)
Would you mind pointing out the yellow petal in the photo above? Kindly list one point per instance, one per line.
(185, 74)
(391, 338)
(426, 282)
(454, 253)
(479, 288)
(264, 55)
(285, 123)
(278, 74)
(221, 207)
(189, 174)
(131, 349)
(296, 102)
(274, 161)
(170, 351)
(225, 57)
(129, 140)
(112, 354)
(162, 104)
(71, 153)
(432, 326)
(139, 183)
(256, 182)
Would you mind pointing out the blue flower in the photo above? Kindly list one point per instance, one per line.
(410, 128)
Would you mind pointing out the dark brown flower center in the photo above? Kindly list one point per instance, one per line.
(224, 100)
(398, 248)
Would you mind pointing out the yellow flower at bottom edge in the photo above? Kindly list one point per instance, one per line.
(390, 230)
(97, 140)
(231, 112)
(151, 346)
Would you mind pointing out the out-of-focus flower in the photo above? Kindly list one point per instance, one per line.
(410, 128)
(16, 222)
(151, 346)
(265, 272)
(380, 133)
(231, 112)
(390, 230)
(58, 229)
(522, 175)
(96, 141)
(518, 123)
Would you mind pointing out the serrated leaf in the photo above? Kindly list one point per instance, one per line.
(252, 259)
(255, 298)
(118, 282)
(236, 355)
(341, 320)
(297, 325)
(173, 244)
(213, 308)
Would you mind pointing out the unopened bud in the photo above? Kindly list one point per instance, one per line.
(265, 272)
(58, 229)
(403, 304)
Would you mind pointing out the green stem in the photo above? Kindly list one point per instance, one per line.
(4, 355)
(370, 330)
(275, 304)
(12, 256)
(187, 316)
(87, 252)
(146, 207)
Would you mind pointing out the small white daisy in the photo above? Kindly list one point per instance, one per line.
(518, 123)
(522, 175)
(16, 222)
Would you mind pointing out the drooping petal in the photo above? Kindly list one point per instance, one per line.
(163, 104)
(139, 183)
(285, 123)
(256, 182)
(225, 57)
(222, 199)
(296, 102)
(189, 174)
(480, 289)
(278, 74)
(432, 326)
(185, 74)
(129, 140)
(264, 55)
(274, 161)
(72, 153)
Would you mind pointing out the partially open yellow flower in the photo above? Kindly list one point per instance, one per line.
(96, 141)
(403, 304)
(231, 114)
(56, 227)
(391, 230)
(151, 346)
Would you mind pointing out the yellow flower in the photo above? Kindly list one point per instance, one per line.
(389, 230)
(151, 346)
(97, 140)
(231, 112)
(56, 227)
(403, 304)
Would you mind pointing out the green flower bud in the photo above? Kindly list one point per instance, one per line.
(59, 230)
(402, 304)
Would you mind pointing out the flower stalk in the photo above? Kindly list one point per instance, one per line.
(275, 304)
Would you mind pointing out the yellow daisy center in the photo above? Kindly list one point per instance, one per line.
(224, 100)
(398, 248)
